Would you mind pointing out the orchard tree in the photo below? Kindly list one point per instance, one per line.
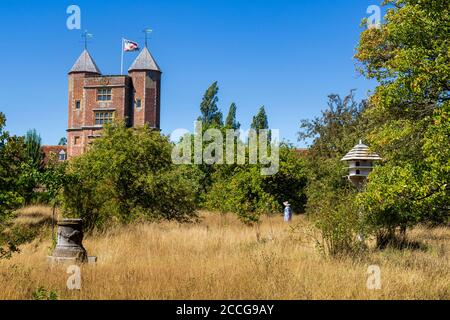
(408, 114)
(337, 129)
(12, 156)
(127, 175)
(329, 195)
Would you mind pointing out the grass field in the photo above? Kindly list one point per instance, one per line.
(219, 258)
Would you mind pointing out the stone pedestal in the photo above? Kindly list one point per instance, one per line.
(69, 247)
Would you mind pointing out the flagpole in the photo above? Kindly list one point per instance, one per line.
(121, 61)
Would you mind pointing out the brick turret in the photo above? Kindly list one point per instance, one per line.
(146, 78)
(96, 99)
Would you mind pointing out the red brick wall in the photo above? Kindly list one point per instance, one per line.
(76, 116)
(83, 87)
(147, 86)
(138, 85)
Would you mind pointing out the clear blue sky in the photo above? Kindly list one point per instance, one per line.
(286, 55)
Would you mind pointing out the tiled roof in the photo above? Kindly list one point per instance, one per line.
(301, 152)
(360, 152)
(85, 63)
(55, 150)
(145, 61)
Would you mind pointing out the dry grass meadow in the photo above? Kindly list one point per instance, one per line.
(219, 258)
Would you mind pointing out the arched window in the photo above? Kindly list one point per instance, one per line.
(358, 164)
(358, 171)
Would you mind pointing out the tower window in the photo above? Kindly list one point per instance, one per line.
(102, 117)
(76, 140)
(358, 172)
(78, 104)
(357, 163)
(138, 103)
(104, 94)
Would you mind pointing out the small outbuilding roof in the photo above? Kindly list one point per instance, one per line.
(360, 152)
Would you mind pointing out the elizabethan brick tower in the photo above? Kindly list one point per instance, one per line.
(96, 99)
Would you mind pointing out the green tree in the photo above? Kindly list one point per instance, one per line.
(12, 156)
(53, 179)
(211, 117)
(337, 129)
(33, 143)
(241, 189)
(33, 166)
(210, 113)
(260, 120)
(126, 175)
(62, 141)
(408, 114)
(231, 122)
(330, 198)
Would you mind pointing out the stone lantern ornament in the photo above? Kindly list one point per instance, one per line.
(360, 164)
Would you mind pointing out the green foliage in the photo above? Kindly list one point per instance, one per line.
(126, 175)
(437, 158)
(337, 218)
(260, 120)
(30, 163)
(331, 135)
(242, 193)
(62, 141)
(53, 179)
(43, 294)
(330, 198)
(11, 156)
(231, 122)
(388, 198)
(336, 130)
(33, 147)
(211, 115)
(408, 115)
(241, 189)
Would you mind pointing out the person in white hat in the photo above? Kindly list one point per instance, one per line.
(287, 212)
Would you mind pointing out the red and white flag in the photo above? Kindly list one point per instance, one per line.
(129, 46)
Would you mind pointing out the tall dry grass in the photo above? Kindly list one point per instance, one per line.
(220, 258)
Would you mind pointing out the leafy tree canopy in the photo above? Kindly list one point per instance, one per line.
(260, 120)
(211, 116)
(126, 175)
(231, 122)
(408, 114)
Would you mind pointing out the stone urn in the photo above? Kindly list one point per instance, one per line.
(69, 246)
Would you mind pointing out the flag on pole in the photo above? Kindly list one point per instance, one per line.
(130, 46)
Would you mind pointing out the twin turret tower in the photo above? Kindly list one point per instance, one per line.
(96, 99)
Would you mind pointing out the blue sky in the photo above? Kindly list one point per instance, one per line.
(287, 55)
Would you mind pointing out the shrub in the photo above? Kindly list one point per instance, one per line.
(43, 294)
(11, 158)
(241, 189)
(332, 208)
(339, 223)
